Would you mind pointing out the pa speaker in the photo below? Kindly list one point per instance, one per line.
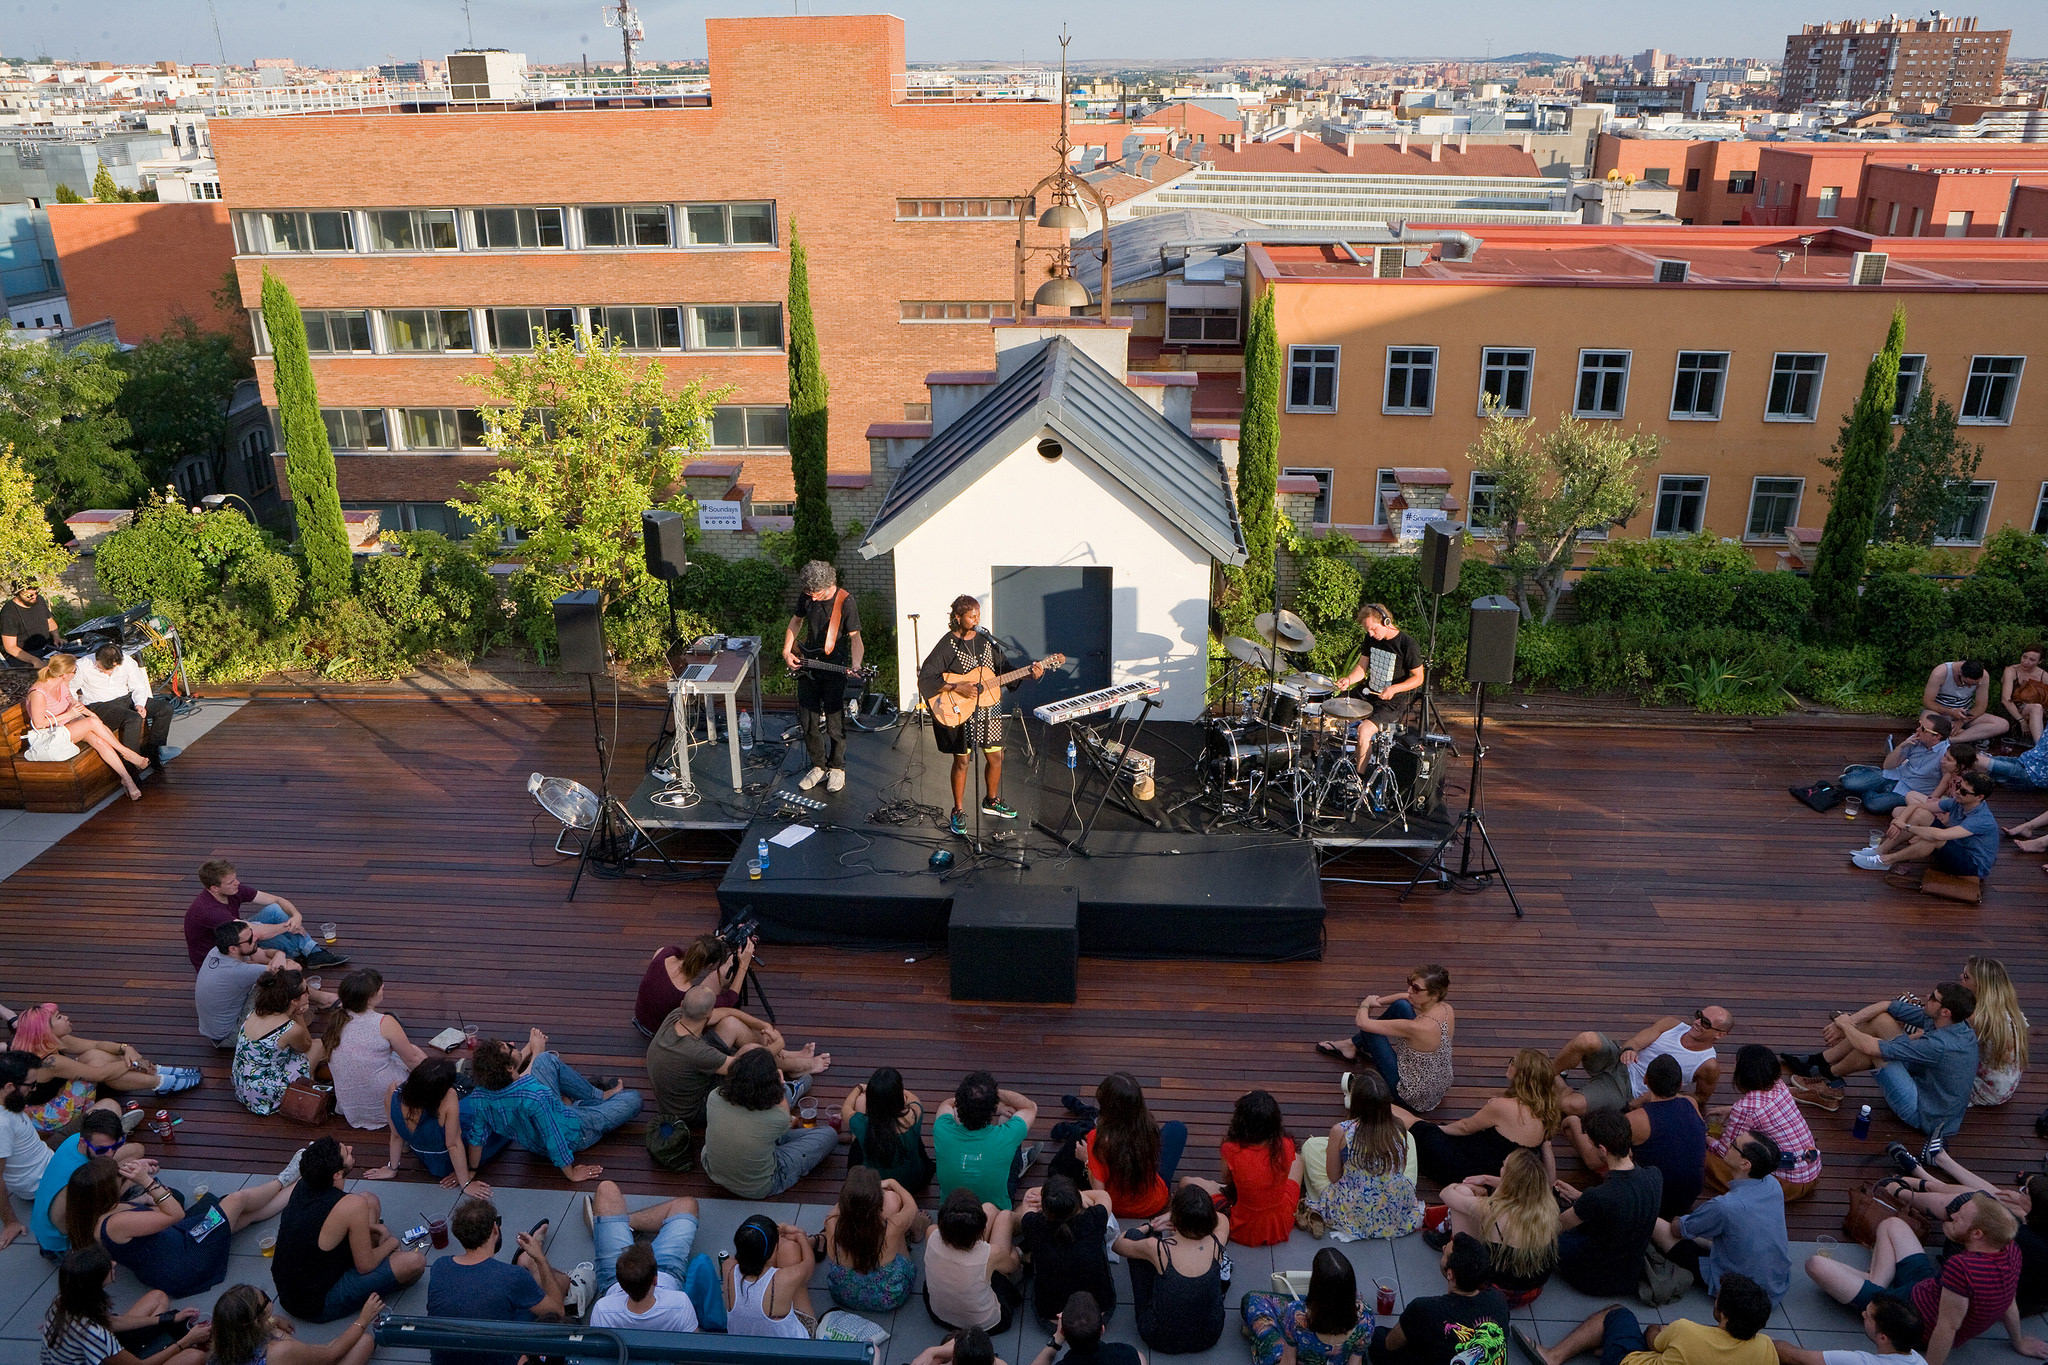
(1443, 555)
(662, 539)
(579, 632)
(1014, 943)
(1490, 650)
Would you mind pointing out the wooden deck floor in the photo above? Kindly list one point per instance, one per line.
(1661, 870)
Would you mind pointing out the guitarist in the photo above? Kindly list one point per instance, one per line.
(829, 618)
(963, 649)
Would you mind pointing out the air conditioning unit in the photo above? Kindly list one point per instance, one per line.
(1389, 263)
(1867, 267)
(1673, 272)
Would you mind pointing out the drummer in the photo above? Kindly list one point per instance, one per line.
(1390, 667)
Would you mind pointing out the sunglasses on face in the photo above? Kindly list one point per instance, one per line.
(1701, 1020)
(94, 1149)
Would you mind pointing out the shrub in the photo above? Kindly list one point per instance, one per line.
(1624, 594)
(1901, 607)
(1689, 598)
(353, 643)
(1894, 556)
(439, 595)
(1548, 656)
(1988, 601)
(1337, 645)
(222, 644)
(1772, 604)
(738, 596)
(1395, 581)
(150, 561)
(1328, 592)
(266, 585)
(2013, 554)
(1703, 552)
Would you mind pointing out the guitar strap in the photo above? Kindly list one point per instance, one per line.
(832, 628)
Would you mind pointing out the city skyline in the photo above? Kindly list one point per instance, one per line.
(550, 31)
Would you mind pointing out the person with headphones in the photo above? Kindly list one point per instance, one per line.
(1390, 667)
(962, 649)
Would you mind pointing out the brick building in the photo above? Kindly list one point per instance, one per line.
(1941, 60)
(143, 265)
(417, 242)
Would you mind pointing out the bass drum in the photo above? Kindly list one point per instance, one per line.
(1232, 756)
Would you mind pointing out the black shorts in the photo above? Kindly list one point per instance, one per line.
(952, 739)
(1387, 710)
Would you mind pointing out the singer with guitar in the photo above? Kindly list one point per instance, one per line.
(962, 685)
(829, 618)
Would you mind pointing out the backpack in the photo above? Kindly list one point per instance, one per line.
(1822, 795)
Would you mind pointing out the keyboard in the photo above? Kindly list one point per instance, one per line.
(1088, 703)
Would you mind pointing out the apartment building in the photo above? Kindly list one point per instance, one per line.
(1741, 348)
(420, 241)
(1939, 60)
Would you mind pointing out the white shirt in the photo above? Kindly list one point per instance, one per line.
(1871, 1358)
(91, 684)
(672, 1310)
(1668, 1044)
(21, 1147)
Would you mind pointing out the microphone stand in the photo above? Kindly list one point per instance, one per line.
(919, 716)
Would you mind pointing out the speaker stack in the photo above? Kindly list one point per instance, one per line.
(579, 632)
(1490, 649)
(663, 540)
(1015, 943)
(1443, 555)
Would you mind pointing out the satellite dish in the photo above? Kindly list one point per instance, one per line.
(569, 801)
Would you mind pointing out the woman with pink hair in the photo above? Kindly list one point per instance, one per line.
(73, 1068)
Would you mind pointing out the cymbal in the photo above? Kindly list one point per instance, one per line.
(1284, 631)
(1247, 652)
(1347, 708)
(1319, 681)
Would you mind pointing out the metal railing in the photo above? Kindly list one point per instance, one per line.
(370, 97)
(620, 1345)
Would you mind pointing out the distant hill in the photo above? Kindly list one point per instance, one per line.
(1530, 58)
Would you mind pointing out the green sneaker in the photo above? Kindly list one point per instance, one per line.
(997, 809)
(959, 824)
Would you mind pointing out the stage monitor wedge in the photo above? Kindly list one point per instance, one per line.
(579, 632)
(663, 539)
(1014, 943)
(1490, 650)
(1443, 555)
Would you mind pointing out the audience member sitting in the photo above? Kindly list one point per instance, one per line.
(692, 1052)
(1961, 690)
(866, 1243)
(1764, 1106)
(1370, 1164)
(1607, 1229)
(83, 1063)
(1668, 1131)
(1176, 1265)
(1525, 1115)
(1127, 1154)
(28, 628)
(51, 703)
(1740, 1311)
(1262, 1170)
(2000, 1027)
(750, 1148)
(115, 688)
(1077, 1328)
(227, 981)
(978, 1139)
(1918, 1188)
(1960, 759)
(887, 1124)
(1329, 1326)
(275, 1045)
(767, 1286)
(1973, 1288)
(223, 897)
(1064, 1233)
(1408, 1037)
(424, 1112)
(474, 1283)
(969, 1266)
(169, 1244)
(1515, 1214)
(1957, 835)
(971, 1347)
(1912, 766)
(1925, 1075)
(24, 1156)
(643, 1286)
(542, 1103)
(2029, 769)
(367, 1051)
(1893, 1327)
(2023, 693)
(99, 1134)
(673, 970)
(82, 1328)
(1740, 1232)
(1469, 1322)
(333, 1251)
(1614, 1071)
(247, 1332)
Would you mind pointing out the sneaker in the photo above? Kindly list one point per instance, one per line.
(320, 958)
(1819, 1094)
(290, 1173)
(997, 809)
(1436, 1239)
(1026, 1154)
(582, 1290)
(589, 1215)
(810, 779)
(959, 821)
(1902, 1158)
(1867, 859)
(172, 1079)
(131, 1119)
(1933, 1150)
(835, 780)
(167, 753)
(1079, 1107)
(796, 1089)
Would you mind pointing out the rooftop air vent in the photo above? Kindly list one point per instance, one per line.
(1672, 272)
(1867, 267)
(1389, 263)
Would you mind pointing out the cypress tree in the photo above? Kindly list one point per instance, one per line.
(1258, 465)
(809, 410)
(308, 460)
(1859, 485)
(103, 187)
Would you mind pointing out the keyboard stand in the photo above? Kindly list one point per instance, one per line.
(1079, 843)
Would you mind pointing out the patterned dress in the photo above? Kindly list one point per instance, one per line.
(871, 1291)
(1362, 1204)
(1425, 1076)
(1276, 1323)
(264, 1067)
(984, 729)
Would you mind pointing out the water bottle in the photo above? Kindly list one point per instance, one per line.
(746, 729)
(1072, 757)
(1862, 1123)
(761, 852)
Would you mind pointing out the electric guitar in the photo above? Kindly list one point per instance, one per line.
(950, 708)
(866, 672)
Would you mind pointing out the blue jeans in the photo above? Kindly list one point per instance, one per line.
(1620, 1337)
(800, 1151)
(354, 1288)
(2011, 772)
(291, 945)
(1380, 1048)
(1173, 1140)
(1902, 1097)
(590, 1113)
(613, 1233)
(1874, 786)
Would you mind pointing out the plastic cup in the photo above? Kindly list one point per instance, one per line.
(312, 983)
(269, 1245)
(753, 869)
(1877, 839)
(1386, 1298)
(1852, 808)
(1826, 1245)
(835, 1119)
(809, 1114)
(469, 1036)
(200, 1192)
(330, 931)
(437, 1232)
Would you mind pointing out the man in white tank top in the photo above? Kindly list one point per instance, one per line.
(1961, 690)
(1614, 1071)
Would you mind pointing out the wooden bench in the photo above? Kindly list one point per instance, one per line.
(76, 784)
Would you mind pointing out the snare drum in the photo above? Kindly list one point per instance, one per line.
(1324, 727)
(1233, 756)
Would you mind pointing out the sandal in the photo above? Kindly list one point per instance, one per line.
(1336, 1050)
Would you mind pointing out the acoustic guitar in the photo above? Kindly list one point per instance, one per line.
(950, 708)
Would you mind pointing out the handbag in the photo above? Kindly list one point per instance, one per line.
(305, 1102)
(2030, 693)
(1822, 795)
(51, 744)
(1868, 1208)
(1663, 1279)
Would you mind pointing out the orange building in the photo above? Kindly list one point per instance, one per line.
(420, 242)
(1716, 181)
(143, 265)
(1740, 348)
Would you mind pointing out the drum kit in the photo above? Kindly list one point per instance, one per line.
(1279, 751)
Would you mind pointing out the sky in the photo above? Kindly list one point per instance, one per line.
(356, 33)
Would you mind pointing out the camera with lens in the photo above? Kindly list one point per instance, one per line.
(736, 934)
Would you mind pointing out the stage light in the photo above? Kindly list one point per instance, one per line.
(569, 801)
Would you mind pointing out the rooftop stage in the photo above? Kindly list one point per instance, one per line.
(1661, 869)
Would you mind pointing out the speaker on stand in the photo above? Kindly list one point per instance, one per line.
(1439, 565)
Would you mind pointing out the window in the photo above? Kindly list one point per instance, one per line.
(1741, 182)
(2041, 512)
(427, 329)
(257, 467)
(1657, 175)
(957, 209)
(412, 229)
(335, 333)
(915, 310)
(639, 329)
(287, 232)
(1312, 378)
(1482, 509)
(730, 224)
(1696, 392)
(1681, 505)
(1386, 488)
(441, 428)
(1603, 384)
(355, 428)
(513, 329)
(1968, 527)
(634, 225)
(1994, 385)
(1504, 377)
(515, 229)
(1912, 372)
(1411, 379)
(1773, 507)
(750, 428)
(1323, 478)
(1795, 387)
(745, 326)
(1692, 178)
(1958, 224)
(1919, 221)
(1830, 201)
(1214, 326)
